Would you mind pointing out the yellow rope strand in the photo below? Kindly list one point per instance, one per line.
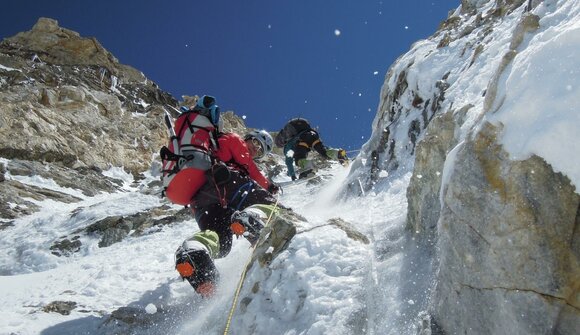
(243, 276)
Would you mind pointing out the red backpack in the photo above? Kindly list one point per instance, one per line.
(189, 154)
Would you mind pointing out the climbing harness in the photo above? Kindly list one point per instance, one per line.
(241, 195)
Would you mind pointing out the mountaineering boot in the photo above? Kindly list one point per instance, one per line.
(247, 223)
(194, 263)
(306, 174)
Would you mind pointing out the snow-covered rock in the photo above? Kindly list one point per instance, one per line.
(484, 113)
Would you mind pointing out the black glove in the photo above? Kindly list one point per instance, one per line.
(273, 188)
(293, 177)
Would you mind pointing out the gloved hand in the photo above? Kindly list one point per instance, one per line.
(293, 177)
(273, 188)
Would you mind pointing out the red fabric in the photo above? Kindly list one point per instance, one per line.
(184, 185)
(232, 148)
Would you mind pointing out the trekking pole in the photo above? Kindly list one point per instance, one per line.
(243, 276)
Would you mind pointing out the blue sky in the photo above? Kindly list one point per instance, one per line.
(268, 61)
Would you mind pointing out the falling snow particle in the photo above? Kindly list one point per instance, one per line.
(376, 72)
(407, 27)
(151, 309)
(411, 302)
(360, 94)
(269, 26)
(243, 117)
(336, 32)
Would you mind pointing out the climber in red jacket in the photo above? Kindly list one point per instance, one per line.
(235, 186)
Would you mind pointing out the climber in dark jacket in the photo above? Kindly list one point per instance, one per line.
(298, 139)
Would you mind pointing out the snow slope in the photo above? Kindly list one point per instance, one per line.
(325, 282)
(337, 282)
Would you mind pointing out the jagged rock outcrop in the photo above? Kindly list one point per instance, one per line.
(61, 307)
(404, 100)
(66, 99)
(68, 111)
(499, 238)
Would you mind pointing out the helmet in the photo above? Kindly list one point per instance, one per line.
(265, 140)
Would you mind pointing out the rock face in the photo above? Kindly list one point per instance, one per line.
(502, 236)
(509, 237)
(68, 111)
(66, 99)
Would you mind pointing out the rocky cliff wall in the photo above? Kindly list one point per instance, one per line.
(66, 99)
(501, 234)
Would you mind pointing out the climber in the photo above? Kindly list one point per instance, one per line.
(298, 139)
(235, 184)
(238, 184)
